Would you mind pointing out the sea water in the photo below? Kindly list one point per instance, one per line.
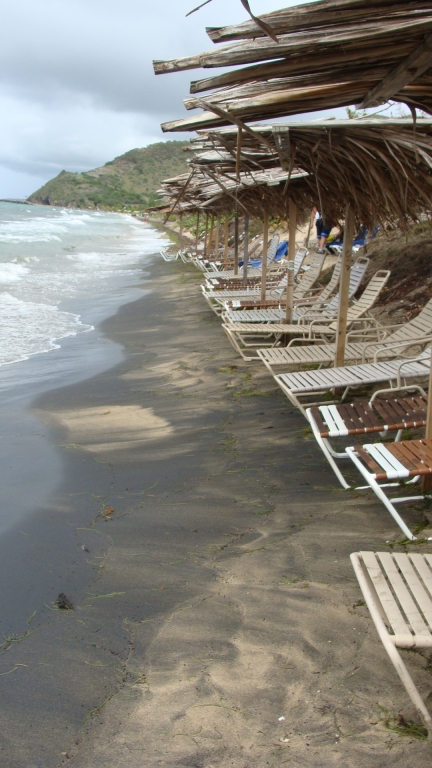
(62, 272)
(54, 259)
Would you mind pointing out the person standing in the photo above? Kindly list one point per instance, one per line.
(323, 228)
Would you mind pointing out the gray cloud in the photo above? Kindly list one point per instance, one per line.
(77, 84)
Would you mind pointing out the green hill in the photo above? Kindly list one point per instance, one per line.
(129, 181)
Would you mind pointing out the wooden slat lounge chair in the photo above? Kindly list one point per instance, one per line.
(303, 385)
(378, 416)
(383, 463)
(319, 304)
(245, 336)
(216, 298)
(397, 589)
(386, 345)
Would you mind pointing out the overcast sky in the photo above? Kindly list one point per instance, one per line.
(77, 86)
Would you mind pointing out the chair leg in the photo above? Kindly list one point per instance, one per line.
(325, 449)
(380, 493)
(388, 643)
(233, 339)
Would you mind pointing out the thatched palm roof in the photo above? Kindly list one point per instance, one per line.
(381, 167)
(220, 194)
(329, 54)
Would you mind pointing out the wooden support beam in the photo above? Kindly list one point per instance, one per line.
(292, 228)
(238, 153)
(264, 257)
(429, 410)
(180, 240)
(205, 235)
(344, 287)
(197, 233)
(226, 242)
(236, 242)
(427, 479)
(246, 247)
(217, 236)
(211, 234)
(282, 142)
(408, 70)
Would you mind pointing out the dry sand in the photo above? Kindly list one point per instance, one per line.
(230, 631)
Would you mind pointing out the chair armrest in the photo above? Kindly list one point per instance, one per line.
(402, 344)
(363, 332)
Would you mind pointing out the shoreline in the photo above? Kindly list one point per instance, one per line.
(225, 599)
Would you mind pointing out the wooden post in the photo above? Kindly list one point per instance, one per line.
(210, 235)
(197, 233)
(344, 287)
(205, 236)
(292, 228)
(180, 240)
(427, 479)
(238, 153)
(217, 236)
(245, 247)
(236, 242)
(264, 257)
(226, 242)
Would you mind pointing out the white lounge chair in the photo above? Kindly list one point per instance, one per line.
(245, 336)
(390, 341)
(386, 465)
(303, 385)
(169, 255)
(397, 589)
(362, 417)
(216, 268)
(217, 298)
(307, 308)
(307, 297)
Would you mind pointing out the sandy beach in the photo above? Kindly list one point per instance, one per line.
(217, 618)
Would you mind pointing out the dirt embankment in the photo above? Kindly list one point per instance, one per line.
(409, 258)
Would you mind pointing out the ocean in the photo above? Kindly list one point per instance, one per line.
(62, 272)
(54, 259)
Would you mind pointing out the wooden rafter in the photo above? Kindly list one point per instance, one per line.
(408, 70)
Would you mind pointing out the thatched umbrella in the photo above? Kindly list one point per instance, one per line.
(328, 54)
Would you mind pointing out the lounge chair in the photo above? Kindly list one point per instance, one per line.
(245, 336)
(386, 345)
(381, 464)
(217, 299)
(306, 307)
(274, 260)
(303, 385)
(397, 589)
(169, 255)
(216, 268)
(312, 295)
(362, 417)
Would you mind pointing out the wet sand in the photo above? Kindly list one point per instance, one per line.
(218, 597)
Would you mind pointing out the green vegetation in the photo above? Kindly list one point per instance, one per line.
(129, 182)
